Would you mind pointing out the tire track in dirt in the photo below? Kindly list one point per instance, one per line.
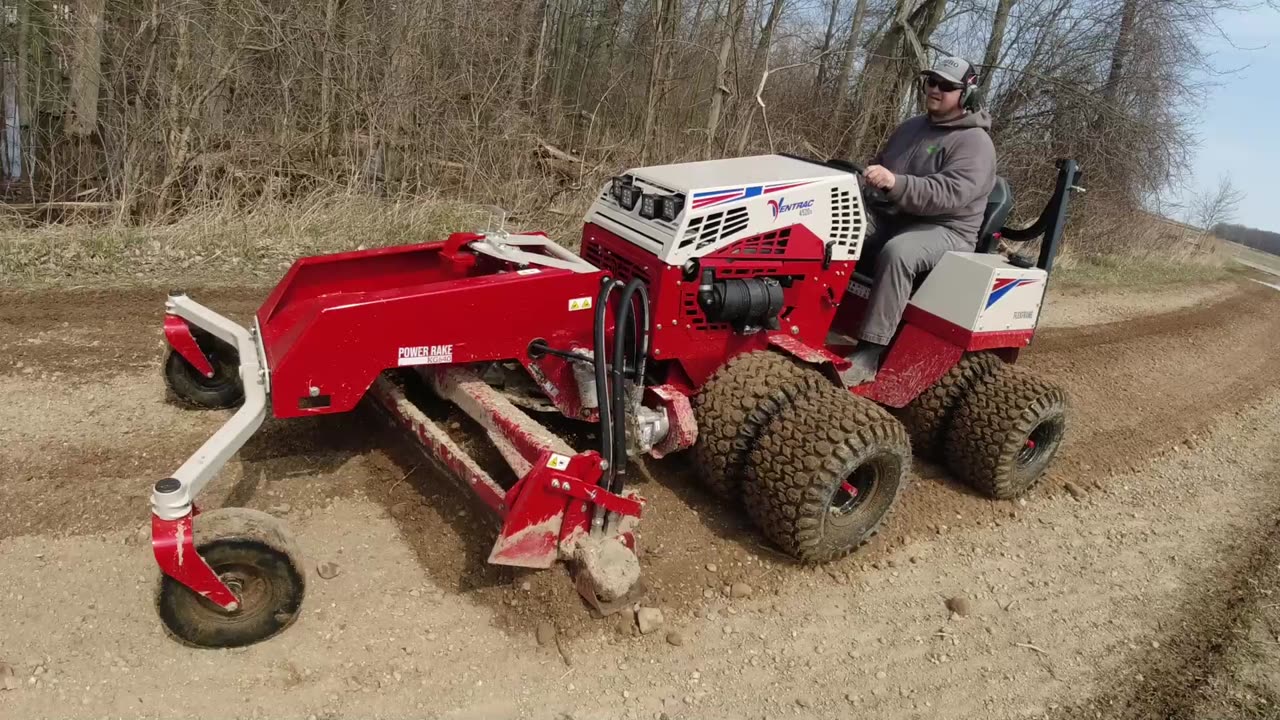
(1186, 677)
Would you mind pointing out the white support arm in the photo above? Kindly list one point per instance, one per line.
(171, 498)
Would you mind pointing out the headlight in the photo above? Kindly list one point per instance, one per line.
(649, 205)
(628, 197)
(671, 207)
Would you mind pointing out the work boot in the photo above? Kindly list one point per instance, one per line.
(866, 361)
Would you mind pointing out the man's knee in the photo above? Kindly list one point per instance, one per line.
(914, 251)
(899, 255)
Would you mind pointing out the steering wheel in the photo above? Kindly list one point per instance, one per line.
(873, 196)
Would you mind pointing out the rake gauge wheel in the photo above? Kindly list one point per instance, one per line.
(251, 552)
(223, 390)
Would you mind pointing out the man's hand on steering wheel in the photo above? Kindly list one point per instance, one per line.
(878, 176)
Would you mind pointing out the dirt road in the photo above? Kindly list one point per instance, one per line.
(1149, 592)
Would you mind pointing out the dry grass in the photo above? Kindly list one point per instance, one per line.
(220, 247)
(1147, 257)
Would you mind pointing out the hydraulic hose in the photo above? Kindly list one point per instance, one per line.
(603, 397)
(639, 332)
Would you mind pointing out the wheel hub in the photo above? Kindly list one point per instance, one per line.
(854, 490)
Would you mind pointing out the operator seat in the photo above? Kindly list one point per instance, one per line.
(999, 204)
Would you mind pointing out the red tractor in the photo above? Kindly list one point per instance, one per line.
(707, 310)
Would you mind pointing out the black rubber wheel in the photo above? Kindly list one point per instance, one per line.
(252, 554)
(1006, 431)
(929, 415)
(825, 474)
(735, 405)
(223, 390)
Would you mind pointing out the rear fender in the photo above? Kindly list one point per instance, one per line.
(178, 333)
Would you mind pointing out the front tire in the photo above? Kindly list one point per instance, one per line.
(826, 473)
(252, 553)
(735, 405)
(1006, 431)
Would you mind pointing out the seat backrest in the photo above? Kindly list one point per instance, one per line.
(999, 204)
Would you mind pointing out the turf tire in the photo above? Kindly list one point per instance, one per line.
(987, 443)
(736, 404)
(929, 415)
(793, 490)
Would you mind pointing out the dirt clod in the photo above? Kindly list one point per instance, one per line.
(648, 619)
(959, 605)
(711, 567)
(675, 638)
(740, 590)
(546, 633)
(1076, 491)
(8, 681)
(281, 509)
(328, 570)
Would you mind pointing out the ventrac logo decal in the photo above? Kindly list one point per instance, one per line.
(425, 355)
(780, 206)
(1002, 286)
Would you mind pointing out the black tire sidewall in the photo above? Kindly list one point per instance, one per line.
(194, 621)
(854, 530)
(190, 385)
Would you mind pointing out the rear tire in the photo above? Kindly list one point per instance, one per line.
(189, 385)
(928, 417)
(251, 551)
(736, 404)
(1006, 431)
(825, 474)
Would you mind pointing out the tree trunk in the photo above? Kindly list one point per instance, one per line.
(897, 57)
(720, 89)
(86, 68)
(660, 9)
(820, 80)
(766, 41)
(846, 62)
(331, 8)
(1120, 53)
(994, 43)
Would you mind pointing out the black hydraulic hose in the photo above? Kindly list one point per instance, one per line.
(639, 333)
(602, 381)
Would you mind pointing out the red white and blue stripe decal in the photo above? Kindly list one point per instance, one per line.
(1002, 286)
(720, 197)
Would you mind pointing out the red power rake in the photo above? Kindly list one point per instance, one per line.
(704, 311)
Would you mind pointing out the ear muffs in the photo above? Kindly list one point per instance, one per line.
(969, 99)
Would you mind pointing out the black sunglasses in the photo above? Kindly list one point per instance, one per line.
(934, 82)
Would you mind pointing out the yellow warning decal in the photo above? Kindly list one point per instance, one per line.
(558, 462)
(582, 303)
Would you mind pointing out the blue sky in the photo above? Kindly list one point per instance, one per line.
(1238, 131)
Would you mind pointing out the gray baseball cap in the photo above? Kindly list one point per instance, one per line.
(951, 69)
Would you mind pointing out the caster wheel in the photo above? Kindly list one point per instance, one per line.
(223, 390)
(252, 554)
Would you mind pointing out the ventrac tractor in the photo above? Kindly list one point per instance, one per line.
(708, 310)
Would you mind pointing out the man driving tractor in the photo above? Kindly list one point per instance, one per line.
(935, 172)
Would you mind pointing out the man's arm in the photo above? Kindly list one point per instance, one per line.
(963, 179)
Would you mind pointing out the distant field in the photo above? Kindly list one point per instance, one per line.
(1257, 258)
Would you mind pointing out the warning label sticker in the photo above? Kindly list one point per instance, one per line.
(425, 355)
(558, 461)
(582, 303)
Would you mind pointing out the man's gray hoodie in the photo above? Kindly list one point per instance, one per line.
(944, 170)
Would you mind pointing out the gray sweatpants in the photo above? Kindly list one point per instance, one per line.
(899, 252)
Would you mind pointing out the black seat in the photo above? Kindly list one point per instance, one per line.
(999, 204)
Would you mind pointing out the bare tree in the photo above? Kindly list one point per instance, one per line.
(1218, 206)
